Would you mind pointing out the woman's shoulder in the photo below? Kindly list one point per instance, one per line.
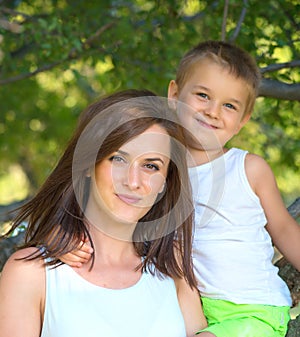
(20, 264)
(22, 290)
(24, 275)
(23, 254)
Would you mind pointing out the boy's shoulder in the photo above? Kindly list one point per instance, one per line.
(250, 158)
(252, 162)
(258, 171)
(255, 161)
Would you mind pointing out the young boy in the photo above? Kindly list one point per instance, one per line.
(239, 210)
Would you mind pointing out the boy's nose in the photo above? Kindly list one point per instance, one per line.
(213, 110)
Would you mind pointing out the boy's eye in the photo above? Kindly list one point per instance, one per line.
(152, 167)
(202, 94)
(230, 106)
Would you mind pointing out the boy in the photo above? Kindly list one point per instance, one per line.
(239, 210)
(239, 213)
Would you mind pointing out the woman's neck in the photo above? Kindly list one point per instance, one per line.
(115, 262)
(110, 247)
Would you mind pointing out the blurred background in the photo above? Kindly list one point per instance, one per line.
(58, 56)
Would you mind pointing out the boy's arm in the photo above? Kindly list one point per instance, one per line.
(191, 307)
(22, 291)
(78, 257)
(284, 230)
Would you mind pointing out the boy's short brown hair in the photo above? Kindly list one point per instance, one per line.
(236, 60)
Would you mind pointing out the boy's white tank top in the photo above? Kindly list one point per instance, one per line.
(232, 250)
(77, 308)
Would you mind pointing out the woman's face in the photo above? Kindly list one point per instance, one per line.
(126, 184)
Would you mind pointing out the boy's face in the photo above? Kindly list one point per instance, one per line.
(214, 104)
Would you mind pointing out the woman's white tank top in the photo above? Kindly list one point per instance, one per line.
(77, 308)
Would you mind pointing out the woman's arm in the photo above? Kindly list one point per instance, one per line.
(22, 293)
(191, 307)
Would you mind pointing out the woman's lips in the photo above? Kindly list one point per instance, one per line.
(129, 199)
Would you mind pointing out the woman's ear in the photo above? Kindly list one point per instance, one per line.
(162, 188)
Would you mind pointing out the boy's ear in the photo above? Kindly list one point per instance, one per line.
(173, 90)
(244, 121)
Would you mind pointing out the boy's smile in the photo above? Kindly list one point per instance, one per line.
(214, 102)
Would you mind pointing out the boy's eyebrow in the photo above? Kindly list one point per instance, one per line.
(237, 102)
(198, 86)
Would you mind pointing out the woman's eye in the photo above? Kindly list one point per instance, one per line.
(117, 159)
(152, 167)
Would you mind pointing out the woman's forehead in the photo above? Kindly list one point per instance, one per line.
(153, 140)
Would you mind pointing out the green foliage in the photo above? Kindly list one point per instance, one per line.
(56, 56)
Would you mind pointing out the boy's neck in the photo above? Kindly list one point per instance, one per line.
(199, 157)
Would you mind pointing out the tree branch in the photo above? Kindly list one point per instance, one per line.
(225, 13)
(279, 66)
(30, 74)
(294, 209)
(73, 54)
(279, 90)
(241, 20)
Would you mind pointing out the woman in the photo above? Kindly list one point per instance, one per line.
(122, 184)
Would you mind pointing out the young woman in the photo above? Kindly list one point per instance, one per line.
(122, 184)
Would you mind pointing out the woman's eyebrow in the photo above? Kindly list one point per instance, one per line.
(122, 152)
(156, 159)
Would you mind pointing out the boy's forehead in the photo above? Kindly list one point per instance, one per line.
(206, 69)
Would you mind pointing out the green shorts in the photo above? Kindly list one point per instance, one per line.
(227, 319)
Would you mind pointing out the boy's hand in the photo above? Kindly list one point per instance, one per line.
(78, 257)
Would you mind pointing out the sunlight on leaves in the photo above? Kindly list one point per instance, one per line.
(13, 185)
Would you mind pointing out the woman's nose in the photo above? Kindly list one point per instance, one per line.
(133, 177)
